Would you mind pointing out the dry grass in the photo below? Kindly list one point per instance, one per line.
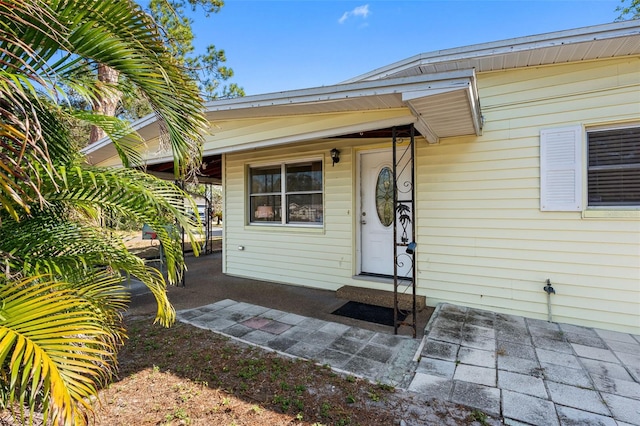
(188, 376)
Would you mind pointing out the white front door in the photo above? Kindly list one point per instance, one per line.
(377, 214)
(376, 218)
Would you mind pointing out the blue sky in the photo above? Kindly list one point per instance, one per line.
(283, 45)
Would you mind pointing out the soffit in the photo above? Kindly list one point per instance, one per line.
(443, 104)
(447, 114)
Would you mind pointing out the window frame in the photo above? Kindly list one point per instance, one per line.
(284, 193)
(564, 171)
(588, 168)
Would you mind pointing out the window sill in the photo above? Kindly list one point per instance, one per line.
(611, 214)
(273, 227)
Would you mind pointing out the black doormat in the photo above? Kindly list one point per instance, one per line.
(370, 313)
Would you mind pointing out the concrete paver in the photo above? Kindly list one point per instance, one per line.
(431, 386)
(473, 374)
(525, 371)
(548, 373)
(629, 348)
(572, 416)
(632, 363)
(483, 398)
(436, 367)
(517, 349)
(623, 409)
(523, 383)
(364, 353)
(477, 357)
(594, 353)
(518, 365)
(568, 376)
(572, 396)
(440, 350)
(609, 369)
(563, 359)
(619, 387)
(528, 409)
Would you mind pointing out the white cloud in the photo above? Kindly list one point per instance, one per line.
(361, 11)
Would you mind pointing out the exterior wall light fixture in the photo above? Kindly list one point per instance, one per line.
(335, 156)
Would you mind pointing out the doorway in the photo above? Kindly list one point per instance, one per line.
(376, 215)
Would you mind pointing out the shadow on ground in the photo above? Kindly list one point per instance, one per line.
(205, 284)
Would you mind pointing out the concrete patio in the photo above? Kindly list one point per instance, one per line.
(522, 370)
(519, 370)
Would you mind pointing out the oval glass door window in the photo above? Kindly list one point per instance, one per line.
(384, 196)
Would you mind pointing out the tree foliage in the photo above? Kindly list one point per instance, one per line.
(61, 270)
(628, 9)
(207, 68)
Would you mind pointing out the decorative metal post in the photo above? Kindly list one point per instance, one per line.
(404, 246)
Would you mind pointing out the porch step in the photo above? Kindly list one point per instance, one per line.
(380, 297)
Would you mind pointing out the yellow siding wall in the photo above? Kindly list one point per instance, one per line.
(483, 240)
(324, 257)
(303, 256)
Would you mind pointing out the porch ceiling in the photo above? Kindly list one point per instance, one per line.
(210, 171)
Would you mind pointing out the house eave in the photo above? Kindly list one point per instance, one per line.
(313, 135)
(333, 98)
(339, 99)
(588, 43)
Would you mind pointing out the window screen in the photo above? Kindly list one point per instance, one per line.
(614, 167)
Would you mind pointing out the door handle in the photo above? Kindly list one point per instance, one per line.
(364, 222)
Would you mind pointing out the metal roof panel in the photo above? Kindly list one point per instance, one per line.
(587, 43)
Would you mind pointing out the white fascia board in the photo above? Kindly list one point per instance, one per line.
(343, 91)
(321, 134)
(417, 94)
(95, 146)
(423, 127)
(502, 47)
(474, 105)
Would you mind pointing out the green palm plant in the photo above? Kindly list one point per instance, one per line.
(60, 295)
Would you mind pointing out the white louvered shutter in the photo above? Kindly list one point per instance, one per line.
(561, 169)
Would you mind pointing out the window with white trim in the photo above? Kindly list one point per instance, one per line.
(286, 194)
(613, 171)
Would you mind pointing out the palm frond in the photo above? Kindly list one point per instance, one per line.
(53, 349)
(124, 138)
(118, 34)
(72, 251)
(137, 195)
(59, 332)
(50, 44)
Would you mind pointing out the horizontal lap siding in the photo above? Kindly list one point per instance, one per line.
(483, 240)
(314, 257)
